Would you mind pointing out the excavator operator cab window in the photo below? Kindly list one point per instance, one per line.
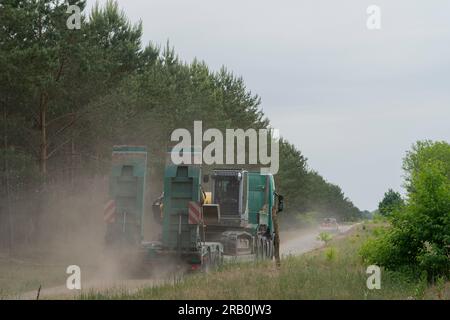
(226, 193)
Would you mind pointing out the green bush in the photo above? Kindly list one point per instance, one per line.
(379, 218)
(325, 237)
(419, 237)
(434, 260)
(330, 254)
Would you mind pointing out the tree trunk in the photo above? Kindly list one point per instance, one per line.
(72, 163)
(43, 155)
(7, 186)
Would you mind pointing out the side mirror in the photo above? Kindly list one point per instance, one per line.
(280, 203)
(206, 178)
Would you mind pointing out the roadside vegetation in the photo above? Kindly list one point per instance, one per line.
(22, 277)
(17, 277)
(335, 271)
(418, 239)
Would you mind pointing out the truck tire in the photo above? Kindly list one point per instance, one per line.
(265, 249)
(259, 249)
(206, 263)
(215, 259)
(271, 250)
(219, 258)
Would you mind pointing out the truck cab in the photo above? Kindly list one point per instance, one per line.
(241, 213)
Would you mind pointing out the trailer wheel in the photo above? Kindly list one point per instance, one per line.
(256, 247)
(219, 258)
(206, 265)
(214, 262)
(268, 249)
(259, 254)
(271, 249)
(265, 249)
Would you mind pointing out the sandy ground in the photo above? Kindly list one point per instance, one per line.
(295, 243)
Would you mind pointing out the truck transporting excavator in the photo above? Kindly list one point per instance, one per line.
(205, 220)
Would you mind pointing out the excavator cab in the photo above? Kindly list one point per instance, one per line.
(227, 201)
(226, 194)
(229, 193)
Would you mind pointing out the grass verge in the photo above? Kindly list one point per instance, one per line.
(17, 277)
(333, 272)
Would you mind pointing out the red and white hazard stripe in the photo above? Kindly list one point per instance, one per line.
(195, 213)
(109, 212)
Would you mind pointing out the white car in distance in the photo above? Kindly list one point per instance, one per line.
(329, 225)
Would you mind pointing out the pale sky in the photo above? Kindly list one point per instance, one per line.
(352, 100)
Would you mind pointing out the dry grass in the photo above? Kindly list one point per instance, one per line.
(17, 276)
(335, 272)
(24, 274)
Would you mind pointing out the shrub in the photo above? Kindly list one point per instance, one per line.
(330, 254)
(325, 237)
(419, 237)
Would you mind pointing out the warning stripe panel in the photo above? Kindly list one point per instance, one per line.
(195, 213)
(109, 212)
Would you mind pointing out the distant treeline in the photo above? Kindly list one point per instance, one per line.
(67, 96)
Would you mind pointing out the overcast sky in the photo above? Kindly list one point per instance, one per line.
(352, 100)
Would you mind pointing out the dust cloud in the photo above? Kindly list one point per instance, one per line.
(64, 225)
